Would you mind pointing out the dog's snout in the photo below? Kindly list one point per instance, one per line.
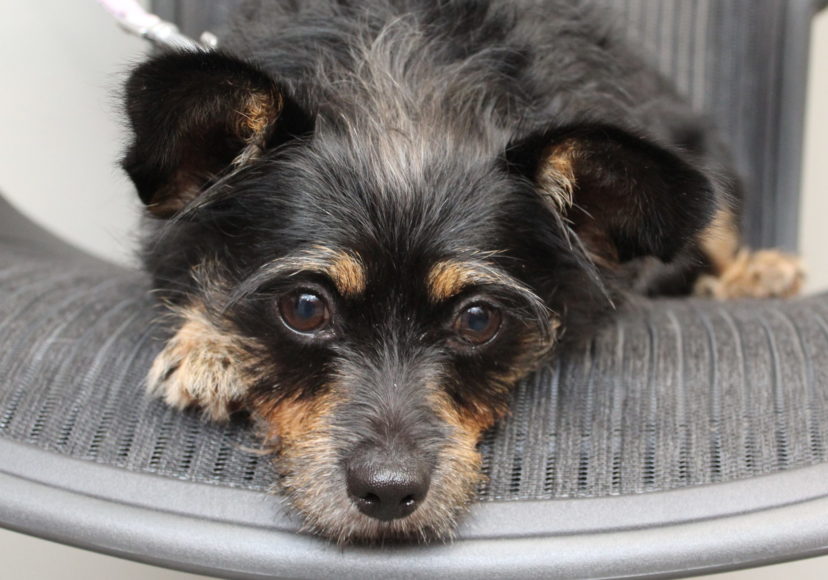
(387, 490)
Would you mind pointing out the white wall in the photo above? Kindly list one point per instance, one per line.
(61, 65)
(60, 139)
(814, 211)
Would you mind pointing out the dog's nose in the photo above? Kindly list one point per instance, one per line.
(387, 492)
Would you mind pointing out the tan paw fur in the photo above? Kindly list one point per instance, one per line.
(201, 366)
(760, 274)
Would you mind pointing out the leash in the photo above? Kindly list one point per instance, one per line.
(135, 20)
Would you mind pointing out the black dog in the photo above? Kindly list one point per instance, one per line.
(376, 217)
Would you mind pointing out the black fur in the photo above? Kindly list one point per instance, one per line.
(412, 133)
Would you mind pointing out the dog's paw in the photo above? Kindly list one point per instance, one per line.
(760, 274)
(200, 366)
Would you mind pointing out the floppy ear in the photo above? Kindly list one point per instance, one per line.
(623, 195)
(194, 115)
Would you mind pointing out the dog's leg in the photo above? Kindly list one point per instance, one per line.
(201, 366)
(738, 272)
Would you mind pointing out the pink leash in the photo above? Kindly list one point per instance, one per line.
(138, 21)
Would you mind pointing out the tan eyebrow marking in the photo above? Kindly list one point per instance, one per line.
(449, 277)
(348, 274)
(446, 279)
(344, 268)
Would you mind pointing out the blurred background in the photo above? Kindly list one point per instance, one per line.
(60, 138)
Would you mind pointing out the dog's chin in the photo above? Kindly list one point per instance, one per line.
(317, 491)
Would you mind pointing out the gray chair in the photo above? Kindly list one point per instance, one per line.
(689, 437)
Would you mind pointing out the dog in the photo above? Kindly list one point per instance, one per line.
(370, 220)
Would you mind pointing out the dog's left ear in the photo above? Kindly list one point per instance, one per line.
(196, 114)
(623, 195)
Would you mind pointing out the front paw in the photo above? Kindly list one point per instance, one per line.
(201, 366)
(760, 274)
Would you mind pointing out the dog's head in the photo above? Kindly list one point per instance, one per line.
(382, 283)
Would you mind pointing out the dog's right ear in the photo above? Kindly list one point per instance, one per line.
(194, 115)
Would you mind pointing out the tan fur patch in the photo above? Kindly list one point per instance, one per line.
(348, 274)
(260, 110)
(345, 269)
(470, 422)
(556, 176)
(201, 365)
(460, 455)
(742, 273)
(760, 274)
(287, 421)
(720, 241)
(311, 476)
(449, 277)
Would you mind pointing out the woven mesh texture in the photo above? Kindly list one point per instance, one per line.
(727, 57)
(676, 393)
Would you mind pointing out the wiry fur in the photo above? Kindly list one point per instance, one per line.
(402, 160)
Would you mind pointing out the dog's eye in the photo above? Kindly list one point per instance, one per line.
(304, 311)
(478, 323)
